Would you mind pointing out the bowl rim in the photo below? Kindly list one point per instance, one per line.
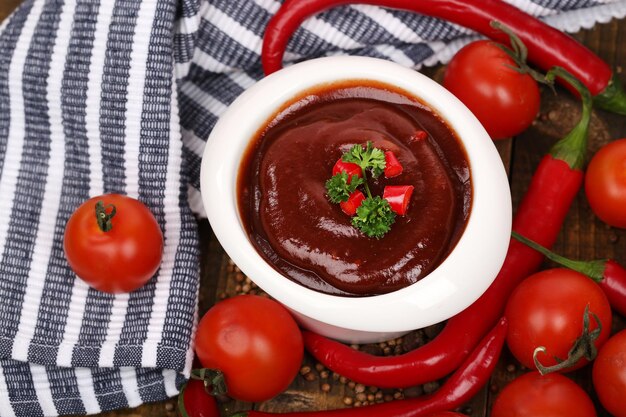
(476, 258)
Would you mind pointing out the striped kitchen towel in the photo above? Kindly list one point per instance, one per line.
(102, 96)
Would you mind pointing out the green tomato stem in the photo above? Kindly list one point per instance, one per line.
(517, 52)
(104, 214)
(583, 347)
(214, 380)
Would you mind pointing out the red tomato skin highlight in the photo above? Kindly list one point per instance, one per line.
(547, 310)
(503, 100)
(609, 375)
(550, 395)
(605, 183)
(255, 342)
(122, 259)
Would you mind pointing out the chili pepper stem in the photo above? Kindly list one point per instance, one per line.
(593, 269)
(613, 97)
(583, 347)
(572, 148)
(103, 217)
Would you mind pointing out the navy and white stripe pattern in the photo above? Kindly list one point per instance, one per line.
(119, 96)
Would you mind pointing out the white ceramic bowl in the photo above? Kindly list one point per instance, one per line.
(456, 283)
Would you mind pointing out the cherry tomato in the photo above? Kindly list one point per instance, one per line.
(503, 100)
(551, 395)
(447, 414)
(255, 342)
(121, 259)
(547, 309)
(194, 401)
(605, 183)
(609, 374)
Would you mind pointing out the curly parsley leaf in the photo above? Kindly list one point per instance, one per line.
(369, 158)
(374, 217)
(339, 187)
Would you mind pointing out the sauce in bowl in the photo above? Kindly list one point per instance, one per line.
(293, 225)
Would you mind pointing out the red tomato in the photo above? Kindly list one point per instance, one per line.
(551, 395)
(196, 401)
(547, 310)
(447, 414)
(503, 100)
(605, 183)
(121, 259)
(609, 374)
(255, 342)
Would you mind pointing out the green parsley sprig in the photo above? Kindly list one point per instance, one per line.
(370, 158)
(339, 187)
(374, 216)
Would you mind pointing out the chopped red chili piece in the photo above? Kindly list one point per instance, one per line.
(393, 167)
(354, 201)
(398, 197)
(419, 136)
(349, 168)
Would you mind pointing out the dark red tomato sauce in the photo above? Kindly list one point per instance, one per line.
(293, 225)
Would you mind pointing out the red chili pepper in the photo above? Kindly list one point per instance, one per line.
(458, 389)
(539, 216)
(347, 167)
(608, 273)
(547, 46)
(354, 201)
(398, 197)
(613, 282)
(393, 167)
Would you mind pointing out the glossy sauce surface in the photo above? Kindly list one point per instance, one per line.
(293, 225)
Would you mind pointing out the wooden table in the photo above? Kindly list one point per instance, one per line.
(583, 236)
